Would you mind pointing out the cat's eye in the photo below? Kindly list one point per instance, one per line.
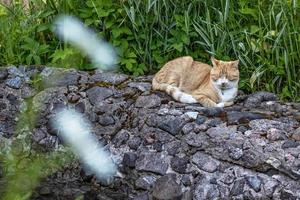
(232, 79)
(214, 78)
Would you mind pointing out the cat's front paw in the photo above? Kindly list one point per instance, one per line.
(230, 103)
(221, 105)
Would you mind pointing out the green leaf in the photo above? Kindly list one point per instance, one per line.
(178, 47)
(250, 11)
(43, 27)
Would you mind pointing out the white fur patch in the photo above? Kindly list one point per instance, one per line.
(221, 105)
(187, 98)
(228, 95)
(181, 96)
(177, 93)
(169, 88)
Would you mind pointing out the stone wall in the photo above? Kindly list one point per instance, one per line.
(163, 149)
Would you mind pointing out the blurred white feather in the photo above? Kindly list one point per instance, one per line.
(75, 130)
(71, 30)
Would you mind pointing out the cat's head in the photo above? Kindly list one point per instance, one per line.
(224, 74)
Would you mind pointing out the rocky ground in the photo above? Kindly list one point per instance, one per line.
(163, 149)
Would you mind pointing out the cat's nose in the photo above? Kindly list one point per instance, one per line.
(224, 85)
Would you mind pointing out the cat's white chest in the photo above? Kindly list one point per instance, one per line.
(227, 95)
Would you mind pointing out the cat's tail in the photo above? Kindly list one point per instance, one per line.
(173, 91)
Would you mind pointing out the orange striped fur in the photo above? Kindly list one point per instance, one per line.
(190, 81)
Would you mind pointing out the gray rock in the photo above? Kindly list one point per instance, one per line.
(287, 195)
(14, 71)
(80, 107)
(171, 124)
(263, 125)
(97, 94)
(205, 162)
(274, 107)
(129, 159)
(296, 106)
(111, 78)
(238, 187)
(152, 162)
(134, 142)
(220, 131)
(93, 117)
(73, 98)
(106, 120)
(142, 86)
(235, 117)
(3, 73)
(12, 98)
(27, 92)
(187, 195)
(14, 83)
(214, 122)
(179, 164)
(105, 107)
(254, 182)
(42, 100)
(151, 101)
(158, 146)
(165, 111)
(3, 105)
(297, 116)
(274, 134)
(72, 88)
(228, 176)
(188, 128)
(191, 115)
(45, 191)
(290, 144)
(249, 194)
(149, 136)
(62, 78)
(143, 196)
(173, 147)
(186, 180)
(145, 182)
(120, 138)
(201, 128)
(296, 134)
(242, 129)
(38, 135)
(270, 186)
(47, 71)
(254, 100)
(166, 188)
(235, 153)
(162, 136)
(195, 140)
(213, 112)
(206, 191)
(200, 119)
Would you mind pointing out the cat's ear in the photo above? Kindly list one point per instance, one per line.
(235, 64)
(214, 62)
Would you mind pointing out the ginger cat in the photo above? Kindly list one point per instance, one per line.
(189, 81)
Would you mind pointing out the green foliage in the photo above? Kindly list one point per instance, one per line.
(23, 164)
(263, 35)
(67, 58)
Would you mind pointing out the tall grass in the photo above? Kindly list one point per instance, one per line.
(265, 38)
(264, 35)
